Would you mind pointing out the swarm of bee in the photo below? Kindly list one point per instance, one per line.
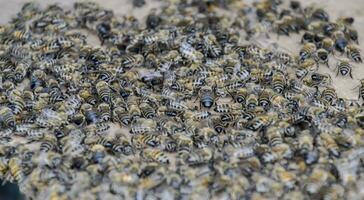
(184, 105)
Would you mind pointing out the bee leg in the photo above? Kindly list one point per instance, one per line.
(327, 64)
(351, 75)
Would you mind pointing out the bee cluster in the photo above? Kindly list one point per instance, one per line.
(178, 107)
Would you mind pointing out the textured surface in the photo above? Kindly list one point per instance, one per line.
(328, 169)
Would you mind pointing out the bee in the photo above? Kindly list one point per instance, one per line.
(123, 146)
(15, 169)
(190, 53)
(202, 156)
(98, 153)
(22, 34)
(320, 14)
(346, 139)
(317, 79)
(20, 72)
(103, 91)
(64, 42)
(176, 105)
(89, 113)
(155, 155)
(352, 34)
(104, 111)
(212, 46)
(49, 143)
(285, 25)
(198, 116)
(344, 68)
(226, 107)
(133, 107)
(308, 37)
(168, 126)
(259, 122)
(207, 98)
(147, 111)
(88, 97)
(322, 56)
(264, 98)
(361, 89)
(168, 144)
(143, 126)
(72, 146)
(328, 44)
(142, 141)
(130, 61)
(330, 144)
(240, 95)
(274, 136)
(51, 48)
(252, 101)
(307, 51)
(340, 41)
(278, 82)
(103, 32)
(217, 124)
(329, 94)
(121, 115)
(7, 117)
(354, 53)
(17, 105)
(305, 142)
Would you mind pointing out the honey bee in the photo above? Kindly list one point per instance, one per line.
(207, 98)
(142, 141)
(49, 143)
(147, 111)
(322, 56)
(197, 115)
(143, 126)
(307, 51)
(87, 97)
(361, 89)
(121, 115)
(218, 125)
(104, 111)
(352, 34)
(340, 41)
(103, 91)
(212, 46)
(252, 101)
(278, 82)
(7, 117)
(344, 68)
(353, 53)
(123, 146)
(328, 44)
(15, 170)
(329, 95)
(89, 113)
(155, 155)
(191, 53)
(130, 61)
(330, 144)
(199, 157)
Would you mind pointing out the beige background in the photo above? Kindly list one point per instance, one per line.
(355, 8)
